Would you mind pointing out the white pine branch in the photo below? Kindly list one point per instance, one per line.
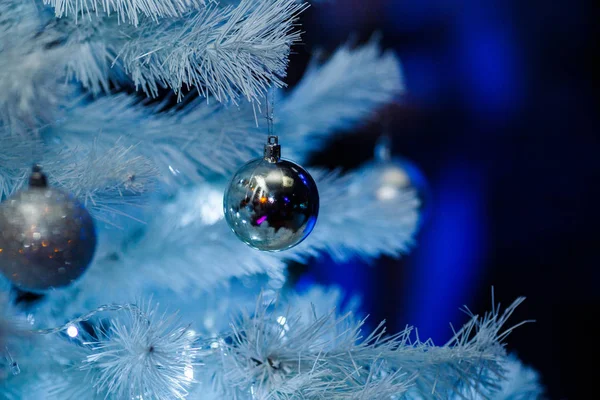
(186, 145)
(148, 355)
(187, 247)
(354, 222)
(280, 349)
(30, 68)
(127, 10)
(520, 383)
(201, 140)
(206, 139)
(344, 91)
(13, 331)
(17, 155)
(38, 57)
(136, 353)
(279, 353)
(226, 53)
(105, 178)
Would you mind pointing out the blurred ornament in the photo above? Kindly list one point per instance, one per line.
(271, 204)
(393, 176)
(47, 238)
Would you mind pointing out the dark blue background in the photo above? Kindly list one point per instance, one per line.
(501, 117)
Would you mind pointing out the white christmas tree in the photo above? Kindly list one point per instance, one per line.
(143, 110)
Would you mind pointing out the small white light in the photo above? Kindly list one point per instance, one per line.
(281, 320)
(209, 322)
(72, 331)
(387, 193)
(214, 345)
(188, 371)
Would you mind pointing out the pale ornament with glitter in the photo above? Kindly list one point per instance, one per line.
(47, 238)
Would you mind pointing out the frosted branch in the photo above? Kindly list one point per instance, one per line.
(520, 383)
(16, 158)
(337, 95)
(478, 345)
(204, 139)
(285, 349)
(225, 53)
(186, 145)
(137, 356)
(12, 330)
(222, 52)
(104, 179)
(279, 353)
(354, 222)
(187, 247)
(30, 68)
(127, 10)
(138, 351)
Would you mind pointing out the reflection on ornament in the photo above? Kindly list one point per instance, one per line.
(392, 181)
(47, 238)
(271, 204)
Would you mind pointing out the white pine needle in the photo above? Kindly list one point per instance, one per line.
(104, 180)
(202, 139)
(344, 91)
(17, 155)
(225, 53)
(276, 353)
(187, 144)
(30, 68)
(150, 356)
(279, 350)
(127, 10)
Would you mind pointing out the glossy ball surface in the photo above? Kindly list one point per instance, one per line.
(47, 239)
(271, 206)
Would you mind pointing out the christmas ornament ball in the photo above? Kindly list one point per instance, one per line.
(396, 176)
(271, 204)
(391, 177)
(47, 238)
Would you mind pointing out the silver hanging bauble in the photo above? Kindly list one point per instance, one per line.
(392, 177)
(271, 204)
(47, 238)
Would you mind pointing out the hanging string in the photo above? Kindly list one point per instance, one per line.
(383, 146)
(109, 307)
(270, 112)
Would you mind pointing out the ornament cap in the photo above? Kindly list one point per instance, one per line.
(37, 177)
(272, 149)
